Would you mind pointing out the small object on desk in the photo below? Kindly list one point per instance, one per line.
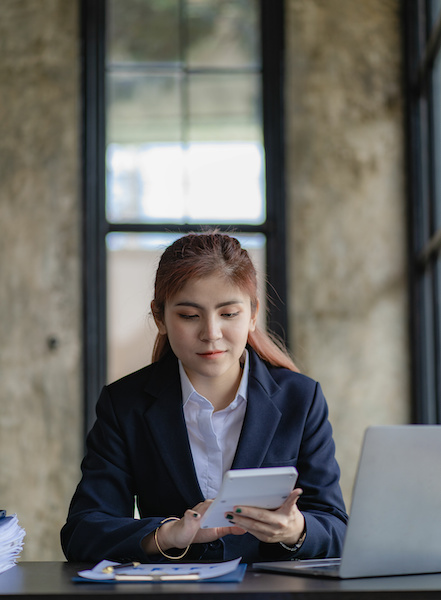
(112, 568)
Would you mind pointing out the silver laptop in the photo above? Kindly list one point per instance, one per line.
(395, 519)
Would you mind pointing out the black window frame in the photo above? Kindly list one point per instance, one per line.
(422, 37)
(95, 226)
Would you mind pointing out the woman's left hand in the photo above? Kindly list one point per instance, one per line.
(285, 524)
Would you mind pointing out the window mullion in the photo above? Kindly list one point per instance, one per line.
(272, 14)
(94, 262)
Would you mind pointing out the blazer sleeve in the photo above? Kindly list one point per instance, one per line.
(321, 503)
(100, 521)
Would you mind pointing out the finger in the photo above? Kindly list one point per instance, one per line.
(221, 531)
(202, 507)
(242, 515)
(268, 515)
(185, 530)
(270, 525)
(297, 492)
(191, 520)
(292, 499)
(263, 530)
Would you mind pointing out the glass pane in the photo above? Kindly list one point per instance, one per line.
(225, 161)
(145, 183)
(143, 31)
(225, 183)
(143, 108)
(144, 159)
(222, 33)
(224, 107)
(211, 183)
(131, 262)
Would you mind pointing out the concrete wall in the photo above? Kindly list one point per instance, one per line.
(347, 221)
(346, 237)
(40, 293)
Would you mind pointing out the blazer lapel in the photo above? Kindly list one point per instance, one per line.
(166, 422)
(164, 417)
(261, 418)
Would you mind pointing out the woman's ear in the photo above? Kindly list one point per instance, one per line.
(253, 320)
(159, 323)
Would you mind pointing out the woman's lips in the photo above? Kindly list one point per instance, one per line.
(211, 354)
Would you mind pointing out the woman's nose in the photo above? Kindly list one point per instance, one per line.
(211, 330)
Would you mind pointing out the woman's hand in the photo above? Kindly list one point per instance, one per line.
(185, 531)
(285, 524)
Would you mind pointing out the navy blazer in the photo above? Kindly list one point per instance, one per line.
(139, 448)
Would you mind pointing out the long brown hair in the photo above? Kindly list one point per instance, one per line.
(198, 255)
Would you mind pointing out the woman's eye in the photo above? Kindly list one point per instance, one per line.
(188, 317)
(230, 315)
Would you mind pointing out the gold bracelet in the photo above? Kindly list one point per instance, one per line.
(159, 547)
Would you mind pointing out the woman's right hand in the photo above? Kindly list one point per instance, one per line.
(185, 531)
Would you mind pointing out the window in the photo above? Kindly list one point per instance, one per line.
(423, 52)
(182, 129)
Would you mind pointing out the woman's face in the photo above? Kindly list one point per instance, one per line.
(207, 324)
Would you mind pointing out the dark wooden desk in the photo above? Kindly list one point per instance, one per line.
(52, 580)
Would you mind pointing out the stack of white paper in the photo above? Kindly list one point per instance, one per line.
(11, 540)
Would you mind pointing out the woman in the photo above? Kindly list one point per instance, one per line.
(219, 394)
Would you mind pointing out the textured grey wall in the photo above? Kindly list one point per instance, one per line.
(40, 383)
(347, 244)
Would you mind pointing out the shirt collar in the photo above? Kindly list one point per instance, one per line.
(188, 390)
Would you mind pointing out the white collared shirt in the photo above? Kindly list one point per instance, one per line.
(213, 435)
